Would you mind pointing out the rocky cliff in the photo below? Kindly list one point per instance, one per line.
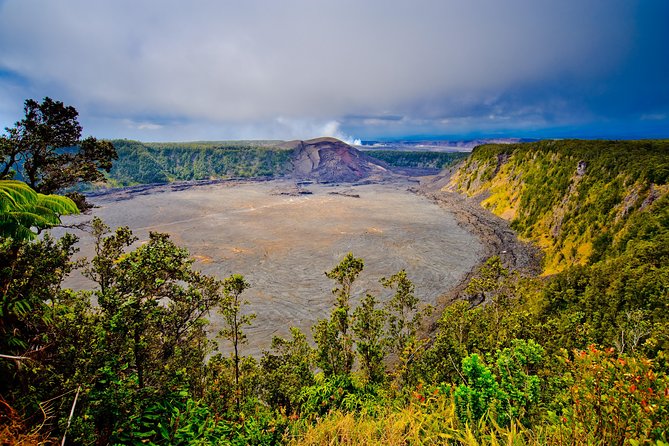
(332, 160)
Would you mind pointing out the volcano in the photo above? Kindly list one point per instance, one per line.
(329, 160)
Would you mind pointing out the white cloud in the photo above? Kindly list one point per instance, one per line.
(147, 126)
(296, 67)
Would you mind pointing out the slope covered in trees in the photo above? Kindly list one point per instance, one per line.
(141, 163)
(415, 159)
(580, 201)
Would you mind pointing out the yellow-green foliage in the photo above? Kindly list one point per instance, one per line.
(609, 399)
(573, 198)
(22, 209)
(427, 419)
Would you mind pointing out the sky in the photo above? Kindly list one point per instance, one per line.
(174, 70)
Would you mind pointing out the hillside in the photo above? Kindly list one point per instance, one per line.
(580, 201)
(141, 163)
(417, 159)
(321, 159)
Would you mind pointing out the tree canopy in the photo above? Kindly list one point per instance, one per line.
(45, 149)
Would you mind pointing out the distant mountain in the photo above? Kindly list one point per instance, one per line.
(332, 160)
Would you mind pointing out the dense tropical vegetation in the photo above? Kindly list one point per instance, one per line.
(581, 201)
(141, 163)
(574, 357)
(421, 160)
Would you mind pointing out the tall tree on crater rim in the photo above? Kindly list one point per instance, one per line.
(335, 354)
(230, 307)
(45, 150)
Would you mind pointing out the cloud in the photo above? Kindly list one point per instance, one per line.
(273, 68)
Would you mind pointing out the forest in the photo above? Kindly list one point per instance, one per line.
(144, 163)
(140, 163)
(421, 160)
(577, 355)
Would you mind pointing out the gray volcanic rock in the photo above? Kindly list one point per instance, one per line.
(332, 160)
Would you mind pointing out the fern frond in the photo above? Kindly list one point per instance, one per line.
(22, 209)
(15, 194)
(57, 204)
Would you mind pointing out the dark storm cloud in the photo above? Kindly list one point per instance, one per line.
(266, 69)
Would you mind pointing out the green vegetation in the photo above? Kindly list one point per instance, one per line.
(576, 357)
(422, 160)
(45, 150)
(22, 209)
(145, 163)
(580, 201)
(141, 163)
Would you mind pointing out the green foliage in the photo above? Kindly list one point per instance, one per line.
(141, 163)
(480, 393)
(193, 423)
(421, 160)
(21, 209)
(287, 370)
(403, 316)
(621, 302)
(335, 343)
(338, 392)
(404, 320)
(510, 395)
(517, 368)
(368, 324)
(44, 149)
(30, 276)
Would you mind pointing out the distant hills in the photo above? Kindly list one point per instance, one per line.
(321, 159)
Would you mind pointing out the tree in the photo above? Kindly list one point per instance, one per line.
(31, 273)
(231, 309)
(404, 319)
(45, 149)
(150, 339)
(152, 299)
(368, 323)
(286, 371)
(456, 328)
(335, 345)
(488, 281)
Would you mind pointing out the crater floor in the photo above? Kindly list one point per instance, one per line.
(283, 244)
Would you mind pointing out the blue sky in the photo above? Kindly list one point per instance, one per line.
(218, 69)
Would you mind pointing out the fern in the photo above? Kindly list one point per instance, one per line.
(22, 209)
